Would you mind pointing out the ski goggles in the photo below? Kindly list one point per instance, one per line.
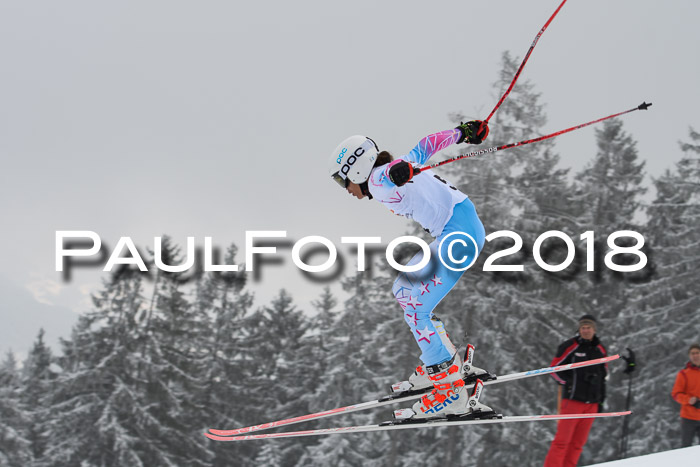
(343, 182)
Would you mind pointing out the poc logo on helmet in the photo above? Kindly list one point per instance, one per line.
(340, 157)
(351, 160)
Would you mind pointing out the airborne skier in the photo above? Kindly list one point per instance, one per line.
(441, 209)
(415, 192)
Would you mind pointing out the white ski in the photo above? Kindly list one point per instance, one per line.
(406, 426)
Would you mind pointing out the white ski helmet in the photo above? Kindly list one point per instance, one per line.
(353, 160)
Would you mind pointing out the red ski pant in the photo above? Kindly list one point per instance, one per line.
(571, 435)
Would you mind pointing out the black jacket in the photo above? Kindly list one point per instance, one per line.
(585, 384)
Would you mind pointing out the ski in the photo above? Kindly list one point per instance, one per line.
(404, 426)
(407, 396)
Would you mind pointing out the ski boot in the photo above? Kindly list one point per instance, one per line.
(419, 380)
(449, 398)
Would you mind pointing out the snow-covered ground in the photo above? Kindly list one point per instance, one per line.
(678, 458)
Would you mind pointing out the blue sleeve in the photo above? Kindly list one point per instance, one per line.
(432, 144)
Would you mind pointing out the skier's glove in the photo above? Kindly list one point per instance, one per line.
(400, 172)
(473, 132)
(697, 404)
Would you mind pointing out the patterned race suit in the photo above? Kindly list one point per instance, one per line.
(443, 211)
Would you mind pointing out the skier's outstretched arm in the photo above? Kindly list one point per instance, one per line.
(401, 170)
(473, 132)
(432, 144)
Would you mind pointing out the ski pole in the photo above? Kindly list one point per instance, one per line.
(416, 170)
(629, 371)
(522, 65)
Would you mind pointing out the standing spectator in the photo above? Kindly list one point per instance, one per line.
(686, 391)
(582, 391)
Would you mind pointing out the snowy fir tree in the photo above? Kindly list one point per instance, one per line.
(325, 342)
(37, 380)
(223, 307)
(609, 190)
(170, 367)
(339, 381)
(336, 450)
(95, 406)
(611, 184)
(269, 455)
(376, 322)
(323, 323)
(513, 317)
(488, 179)
(282, 376)
(666, 314)
(15, 448)
(122, 398)
(366, 352)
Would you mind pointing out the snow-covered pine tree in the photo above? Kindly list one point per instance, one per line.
(492, 182)
(97, 416)
(222, 306)
(15, 448)
(612, 182)
(390, 354)
(323, 322)
(366, 352)
(37, 381)
(488, 179)
(123, 397)
(169, 369)
(535, 302)
(327, 340)
(335, 450)
(324, 341)
(268, 455)
(609, 190)
(282, 368)
(666, 317)
(330, 335)
(510, 316)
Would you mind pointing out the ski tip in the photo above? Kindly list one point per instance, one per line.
(219, 438)
(214, 431)
(644, 106)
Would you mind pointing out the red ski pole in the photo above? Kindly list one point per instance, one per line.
(522, 65)
(642, 106)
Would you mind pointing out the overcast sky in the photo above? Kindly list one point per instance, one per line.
(142, 118)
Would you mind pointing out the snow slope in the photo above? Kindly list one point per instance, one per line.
(678, 458)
